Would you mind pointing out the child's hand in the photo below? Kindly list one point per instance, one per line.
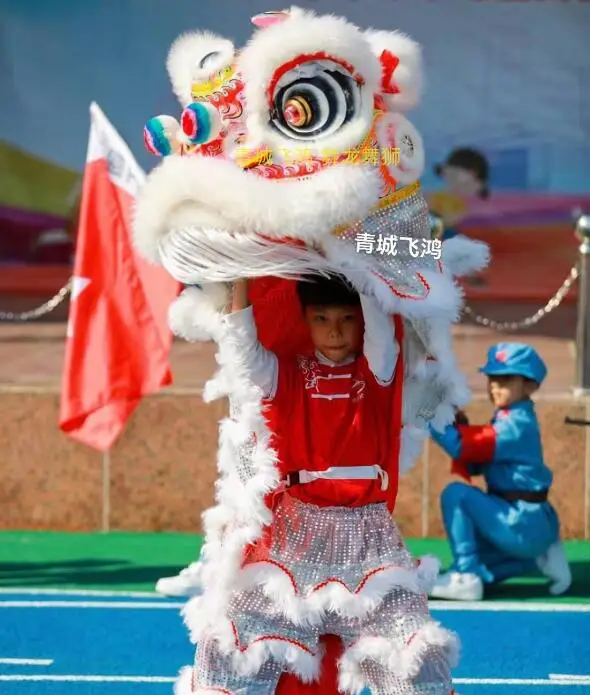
(239, 294)
(461, 418)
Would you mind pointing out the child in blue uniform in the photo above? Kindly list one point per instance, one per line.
(511, 529)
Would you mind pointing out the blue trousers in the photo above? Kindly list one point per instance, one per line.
(493, 538)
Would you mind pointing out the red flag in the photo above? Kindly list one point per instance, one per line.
(118, 342)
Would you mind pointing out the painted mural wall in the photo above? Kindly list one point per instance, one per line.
(508, 81)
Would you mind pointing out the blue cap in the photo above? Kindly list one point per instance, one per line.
(515, 359)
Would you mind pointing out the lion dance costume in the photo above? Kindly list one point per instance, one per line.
(293, 156)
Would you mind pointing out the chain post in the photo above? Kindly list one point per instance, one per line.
(583, 328)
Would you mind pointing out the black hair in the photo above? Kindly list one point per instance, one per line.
(526, 379)
(331, 291)
(471, 160)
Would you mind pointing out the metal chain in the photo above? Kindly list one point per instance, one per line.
(552, 304)
(45, 308)
(60, 296)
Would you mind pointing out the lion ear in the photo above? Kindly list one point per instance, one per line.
(193, 58)
(401, 68)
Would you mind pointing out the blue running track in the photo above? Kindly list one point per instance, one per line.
(111, 644)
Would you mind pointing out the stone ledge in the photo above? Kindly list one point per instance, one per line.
(162, 471)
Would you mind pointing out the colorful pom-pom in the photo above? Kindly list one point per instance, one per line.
(201, 123)
(160, 135)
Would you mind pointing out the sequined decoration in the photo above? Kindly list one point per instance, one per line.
(244, 466)
(214, 670)
(423, 399)
(397, 237)
(423, 330)
(424, 396)
(315, 544)
(415, 349)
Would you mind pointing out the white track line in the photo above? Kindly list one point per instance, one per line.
(82, 592)
(509, 606)
(91, 604)
(88, 679)
(512, 607)
(168, 679)
(26, 662)
(492, 606)
(568, 677)
(515, 681)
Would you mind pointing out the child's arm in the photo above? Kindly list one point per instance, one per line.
(482, 444)
(469, 446)
(473, 446)
(380, 346)
(262, 364)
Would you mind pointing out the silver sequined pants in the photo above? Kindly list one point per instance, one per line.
(391, 646)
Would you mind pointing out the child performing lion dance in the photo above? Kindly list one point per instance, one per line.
(289, 206)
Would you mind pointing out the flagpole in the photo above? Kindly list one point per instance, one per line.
(106, 491)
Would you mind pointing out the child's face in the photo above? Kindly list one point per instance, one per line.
(462, 182)
(335, 331)
(506, 390)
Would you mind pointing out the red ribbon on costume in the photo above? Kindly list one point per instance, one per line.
(478, 445)
(389, 63)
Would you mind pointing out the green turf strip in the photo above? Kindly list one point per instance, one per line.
(135, 561)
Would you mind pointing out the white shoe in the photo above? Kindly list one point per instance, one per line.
(186, 583)
(458, 586)
(554, 565)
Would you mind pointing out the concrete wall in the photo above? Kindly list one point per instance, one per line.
(163, 469)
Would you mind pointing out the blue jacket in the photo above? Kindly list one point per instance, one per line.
(507, 452)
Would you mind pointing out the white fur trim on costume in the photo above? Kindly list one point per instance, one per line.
(430, 635)
(433, 384)
(412, 443)
(403, 661)
(407, 76)
(333, 596)
(462, 255)
(196, 314)
(445, 368)
(248, 659)
(395, 132)
(184, 683)
(306, 33)
(185, 56)
(247, 475)
(210, 189)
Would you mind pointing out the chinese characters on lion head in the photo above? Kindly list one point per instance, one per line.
(231, 200)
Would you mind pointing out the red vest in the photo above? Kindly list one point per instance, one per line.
(325, 416)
